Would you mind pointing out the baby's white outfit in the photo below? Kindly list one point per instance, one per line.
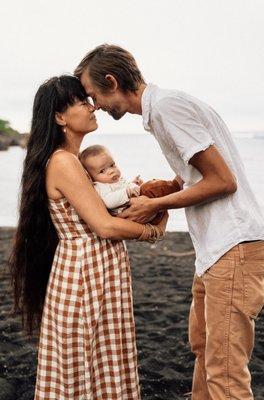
(114, 194)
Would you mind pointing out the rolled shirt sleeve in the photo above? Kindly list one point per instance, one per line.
(183, 127)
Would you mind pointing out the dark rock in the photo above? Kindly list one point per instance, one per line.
(4, 144)
(13, 140)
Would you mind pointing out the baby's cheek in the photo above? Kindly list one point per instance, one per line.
(105, 179)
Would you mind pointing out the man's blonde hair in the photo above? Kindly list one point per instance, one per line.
(114, 60)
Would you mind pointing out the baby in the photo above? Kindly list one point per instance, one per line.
(113, 188)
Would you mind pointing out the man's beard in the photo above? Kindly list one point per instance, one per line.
(116, 114)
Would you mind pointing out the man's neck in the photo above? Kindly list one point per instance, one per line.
(134, 100)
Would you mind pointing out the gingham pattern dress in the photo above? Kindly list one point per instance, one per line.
(87, 346)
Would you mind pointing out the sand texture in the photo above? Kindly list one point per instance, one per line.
(162, 279)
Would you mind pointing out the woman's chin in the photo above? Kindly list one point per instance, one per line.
(92, 127)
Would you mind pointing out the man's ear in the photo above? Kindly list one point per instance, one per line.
(59, 119)
(112, 81)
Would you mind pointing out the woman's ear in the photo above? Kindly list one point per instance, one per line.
(59, 118)
(112, 81)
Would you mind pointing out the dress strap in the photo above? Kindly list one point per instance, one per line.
(58, 150)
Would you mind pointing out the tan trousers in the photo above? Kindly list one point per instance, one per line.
(226, 301)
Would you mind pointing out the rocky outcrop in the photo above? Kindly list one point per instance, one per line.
(19, 139)
(4, 142)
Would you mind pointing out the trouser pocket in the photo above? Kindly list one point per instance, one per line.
(253, 274)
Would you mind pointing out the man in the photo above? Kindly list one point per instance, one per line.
(224, 219)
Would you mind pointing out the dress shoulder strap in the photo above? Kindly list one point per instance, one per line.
(58, 150)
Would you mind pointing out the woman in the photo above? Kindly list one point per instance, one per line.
(70, 269)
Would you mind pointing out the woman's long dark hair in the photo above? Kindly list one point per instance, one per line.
(35, 240)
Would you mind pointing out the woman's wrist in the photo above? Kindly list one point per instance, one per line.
(151, 233)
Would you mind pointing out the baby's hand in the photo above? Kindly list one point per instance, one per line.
(137, 180)
(133, 191)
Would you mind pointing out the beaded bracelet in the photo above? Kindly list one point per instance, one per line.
(151, 233)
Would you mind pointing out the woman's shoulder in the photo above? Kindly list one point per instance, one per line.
(62, 155)
(64, 164)
(63, 160)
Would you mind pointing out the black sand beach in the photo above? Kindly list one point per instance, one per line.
(162, 278)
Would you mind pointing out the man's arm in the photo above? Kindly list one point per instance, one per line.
(217, 180)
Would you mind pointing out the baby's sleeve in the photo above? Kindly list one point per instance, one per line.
(112, 199)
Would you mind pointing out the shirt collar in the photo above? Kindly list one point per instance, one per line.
(146, 105)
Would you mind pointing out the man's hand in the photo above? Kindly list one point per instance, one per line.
(142, 209)
(179, 180)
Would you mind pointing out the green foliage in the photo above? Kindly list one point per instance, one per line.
(6, 130)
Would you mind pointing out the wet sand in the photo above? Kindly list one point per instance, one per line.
(162, 279)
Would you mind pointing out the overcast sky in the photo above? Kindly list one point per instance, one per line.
(212, 49)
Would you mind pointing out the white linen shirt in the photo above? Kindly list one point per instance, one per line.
(183, 126)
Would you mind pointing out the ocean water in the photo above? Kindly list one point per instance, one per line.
(135, 154)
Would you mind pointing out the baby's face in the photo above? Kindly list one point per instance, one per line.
(102, 168)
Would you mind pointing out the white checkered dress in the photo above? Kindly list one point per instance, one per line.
(87, 346)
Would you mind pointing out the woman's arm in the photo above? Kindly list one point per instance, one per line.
(71, 180)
